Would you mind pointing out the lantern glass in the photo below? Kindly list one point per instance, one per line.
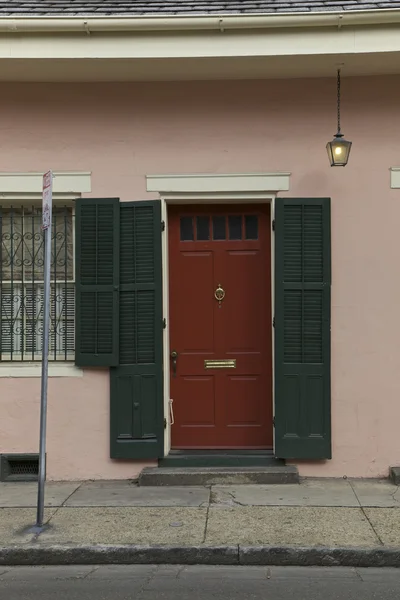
(338, 151)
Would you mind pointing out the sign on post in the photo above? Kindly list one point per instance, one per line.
(46, 225)
(47, 199)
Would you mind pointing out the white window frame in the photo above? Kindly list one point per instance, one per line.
(395, 178)
(26, 188)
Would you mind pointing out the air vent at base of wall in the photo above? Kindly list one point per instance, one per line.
(19, 467)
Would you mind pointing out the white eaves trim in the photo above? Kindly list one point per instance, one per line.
(31, 183)
(222, 22)
(395, 177)
(215, 184)
(25, 369)
(239, 43)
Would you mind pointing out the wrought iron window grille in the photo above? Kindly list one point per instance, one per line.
(21, 284)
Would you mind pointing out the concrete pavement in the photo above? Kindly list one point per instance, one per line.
(310, 492)
(342, 516)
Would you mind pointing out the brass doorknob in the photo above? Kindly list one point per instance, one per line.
(174, 356)
(219, 294)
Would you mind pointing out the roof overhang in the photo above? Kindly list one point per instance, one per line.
(203, 47)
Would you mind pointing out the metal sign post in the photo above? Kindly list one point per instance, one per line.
(46, 226)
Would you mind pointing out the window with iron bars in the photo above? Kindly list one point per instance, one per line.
(21, 284)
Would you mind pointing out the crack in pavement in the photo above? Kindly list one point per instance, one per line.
(57, 509)
(4, 572)
(353, 489)
(357, 573)
(207, 516)
(232, 495)
(378, 537)
(93, 570)
(222, 500)
(71, 494)
(180, 570)
(213, 497)
(394, 494)
(149, 578)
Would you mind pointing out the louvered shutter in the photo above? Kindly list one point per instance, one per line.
(97, 280)
(302, 328)
(136, 384)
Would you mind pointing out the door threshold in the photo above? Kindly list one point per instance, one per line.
(220, 451)
(220, 458)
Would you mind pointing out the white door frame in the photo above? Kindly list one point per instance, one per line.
(209, 189)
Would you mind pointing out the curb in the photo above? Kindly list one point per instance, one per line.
(201, 555)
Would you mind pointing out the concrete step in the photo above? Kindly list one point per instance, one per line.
(156, 476)
(220, 459)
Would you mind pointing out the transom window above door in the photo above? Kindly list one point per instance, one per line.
(203, 228)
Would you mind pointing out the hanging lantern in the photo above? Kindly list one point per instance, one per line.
(339, 148)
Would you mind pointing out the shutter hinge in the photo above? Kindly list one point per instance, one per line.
(273, 322)
(273, 421)
(164, 323)
(162, 225)
(273, 225)
(165, 422)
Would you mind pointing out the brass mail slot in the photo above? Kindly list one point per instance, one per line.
(220, 364)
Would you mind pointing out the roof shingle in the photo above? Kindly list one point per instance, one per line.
(181, 7)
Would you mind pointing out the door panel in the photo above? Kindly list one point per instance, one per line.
(227, 246)
(241, 413)
(191, 335)
(244, 328)
(198, 408)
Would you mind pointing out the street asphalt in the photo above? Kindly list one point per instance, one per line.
(146, 582)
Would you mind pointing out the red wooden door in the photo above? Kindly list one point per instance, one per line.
(227, 247)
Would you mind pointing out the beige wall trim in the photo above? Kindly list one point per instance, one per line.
(226, 198)
(34, 369)
(31, 183)
(212, 22)
(206, 184)
(395, 177)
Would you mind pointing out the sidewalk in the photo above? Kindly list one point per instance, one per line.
(344, 522)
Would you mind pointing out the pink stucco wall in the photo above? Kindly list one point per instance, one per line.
(122, 132)
(78, 425)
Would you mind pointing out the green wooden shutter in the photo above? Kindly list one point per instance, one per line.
(137, 423)
(302, 328)
(97, 280)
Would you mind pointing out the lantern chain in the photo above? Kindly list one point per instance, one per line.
(338, 100)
